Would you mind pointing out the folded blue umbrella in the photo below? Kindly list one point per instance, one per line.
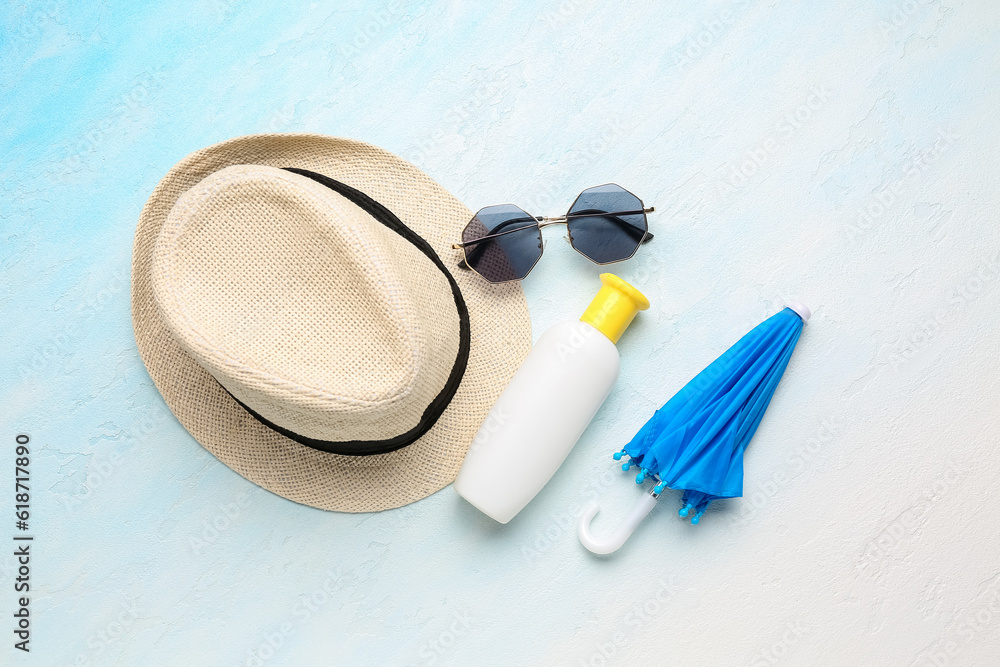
(695, 443)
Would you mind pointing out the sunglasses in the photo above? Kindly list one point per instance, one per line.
(606, 224)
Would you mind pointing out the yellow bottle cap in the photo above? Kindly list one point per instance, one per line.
(614, 307)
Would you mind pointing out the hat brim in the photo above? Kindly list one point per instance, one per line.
(498, 315)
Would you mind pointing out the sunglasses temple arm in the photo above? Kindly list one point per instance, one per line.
(635, 232)
(472, 254)
(465, 244)
(479, 248)
(595, 213)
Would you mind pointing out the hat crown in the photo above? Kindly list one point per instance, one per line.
(303, 306)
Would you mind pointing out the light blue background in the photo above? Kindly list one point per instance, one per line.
(843, 153)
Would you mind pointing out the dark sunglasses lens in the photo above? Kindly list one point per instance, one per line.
(510, 254)
(607, 238)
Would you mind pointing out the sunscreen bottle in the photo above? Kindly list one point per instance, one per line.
(548, 404)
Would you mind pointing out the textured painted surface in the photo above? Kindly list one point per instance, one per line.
(840, 153)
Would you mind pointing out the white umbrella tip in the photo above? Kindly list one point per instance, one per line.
(800, 308)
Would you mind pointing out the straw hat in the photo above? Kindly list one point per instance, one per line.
(294, 302)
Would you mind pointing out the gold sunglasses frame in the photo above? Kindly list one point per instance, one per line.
(539, 222)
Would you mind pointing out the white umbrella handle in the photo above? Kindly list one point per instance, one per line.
(621, 533)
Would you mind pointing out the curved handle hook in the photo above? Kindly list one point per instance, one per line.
(621, 533)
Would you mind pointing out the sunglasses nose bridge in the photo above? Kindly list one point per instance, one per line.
(545, 222)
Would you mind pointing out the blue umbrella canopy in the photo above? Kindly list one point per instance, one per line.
(696, 441)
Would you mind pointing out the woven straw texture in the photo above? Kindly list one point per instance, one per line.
(306, 308)
(347, 286)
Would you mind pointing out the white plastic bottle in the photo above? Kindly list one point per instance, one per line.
(548, 404)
